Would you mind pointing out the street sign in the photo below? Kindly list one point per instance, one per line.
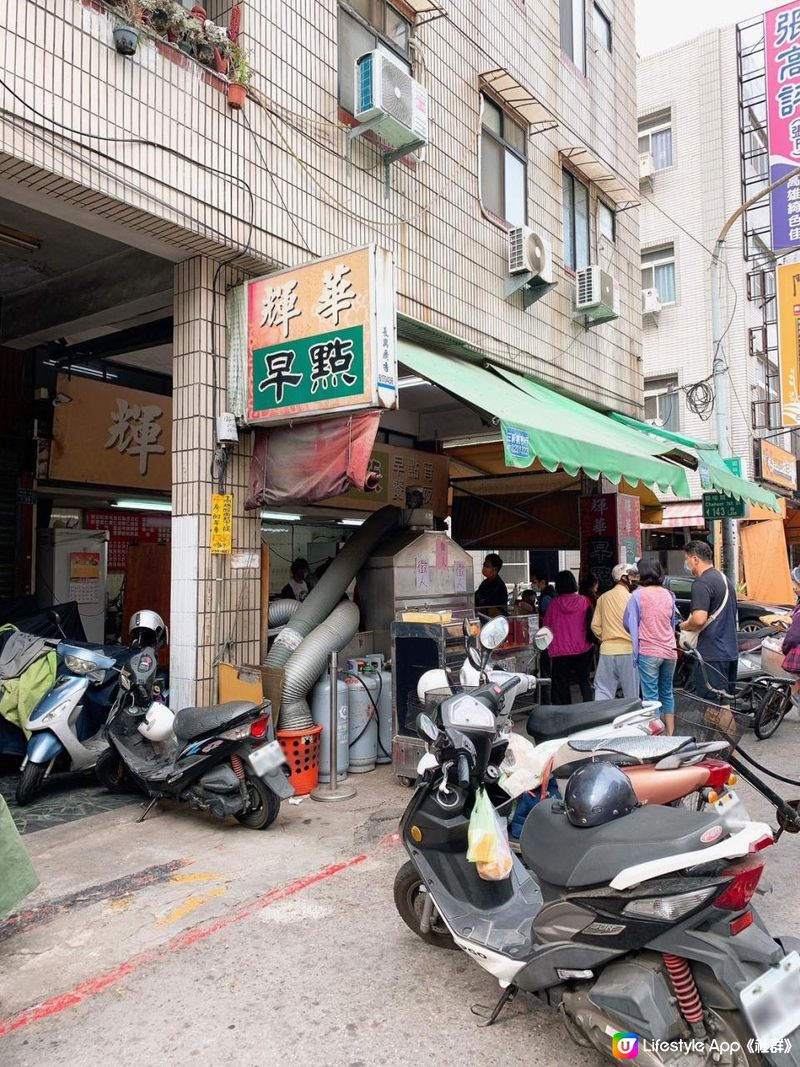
(734, 465)
(720, 506)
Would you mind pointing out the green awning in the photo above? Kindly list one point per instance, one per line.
(721, 476)
(538, 423)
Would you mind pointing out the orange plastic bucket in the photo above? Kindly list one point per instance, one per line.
(301, 748)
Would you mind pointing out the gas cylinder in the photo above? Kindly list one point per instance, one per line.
(362, 698)
(384, 707)
(320, 702)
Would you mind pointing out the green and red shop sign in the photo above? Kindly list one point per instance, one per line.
(321, 338)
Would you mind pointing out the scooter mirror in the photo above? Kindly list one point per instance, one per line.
(426, 728)
(494, 632)
(543, 638)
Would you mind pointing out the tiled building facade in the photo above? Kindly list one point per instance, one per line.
(145, 150)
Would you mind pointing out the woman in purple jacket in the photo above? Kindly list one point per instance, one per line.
(571, 651)
(791, 642)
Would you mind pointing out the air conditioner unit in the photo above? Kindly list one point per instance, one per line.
(597, 296)
(530, 253)
(651, 304)
(646, 166)
(390, 100)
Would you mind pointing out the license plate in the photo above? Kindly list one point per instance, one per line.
(772, 1002)
(266, 758)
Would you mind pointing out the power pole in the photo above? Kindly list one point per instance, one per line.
(719, 366)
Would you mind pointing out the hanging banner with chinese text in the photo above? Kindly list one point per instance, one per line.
(787, 284)
(782, 43)
(221, 524)
(108, 435)
(321, 338)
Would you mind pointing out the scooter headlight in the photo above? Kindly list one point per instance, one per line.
(79, 666)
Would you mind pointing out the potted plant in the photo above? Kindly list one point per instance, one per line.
(240, 76)
(126, 35)
(183, 28)
(159, 14)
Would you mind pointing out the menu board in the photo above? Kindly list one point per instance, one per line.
(126, 528)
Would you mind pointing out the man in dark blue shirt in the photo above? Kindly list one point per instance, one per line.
(715, 614)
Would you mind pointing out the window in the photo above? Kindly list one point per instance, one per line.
(606, 221)
(766, 406)
(658, 272)
(602, 27)
(504, 168)
(365, 25)
(573, 32)
(662, 403)
(655, 136)
(575, 197)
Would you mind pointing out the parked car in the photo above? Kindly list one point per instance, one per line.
(750, 611)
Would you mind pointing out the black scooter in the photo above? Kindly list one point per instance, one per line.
(222, 759)
(640, 926)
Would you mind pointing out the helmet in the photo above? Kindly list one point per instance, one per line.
(157, 723)
(623, 570)
(597, 793)
(147, 628)
(435, 679)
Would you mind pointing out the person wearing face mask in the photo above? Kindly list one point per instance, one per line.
(297, 586)
(615, 667)
(715, 615)
(546, 592)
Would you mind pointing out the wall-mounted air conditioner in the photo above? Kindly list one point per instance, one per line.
(597, 297)
(651, 305)
(646, 167)
(531, 253)
(391, 101)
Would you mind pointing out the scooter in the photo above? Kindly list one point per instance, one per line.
(66, 724)
(641, 925)
(222, 759)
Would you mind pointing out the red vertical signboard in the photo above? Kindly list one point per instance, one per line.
(610, 533)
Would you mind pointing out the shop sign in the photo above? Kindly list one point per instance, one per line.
(722, 506)
(104, 434)
(321, 338)
(782, 44)
(788, 298)
(610, 533)
(778, 466)
(221, 524)
(399, 469)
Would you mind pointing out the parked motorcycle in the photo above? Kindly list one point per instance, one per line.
(222, 759)
(629, 919)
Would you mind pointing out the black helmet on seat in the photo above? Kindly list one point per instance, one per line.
(597, 793)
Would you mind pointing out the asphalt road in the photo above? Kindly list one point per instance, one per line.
(181, 941)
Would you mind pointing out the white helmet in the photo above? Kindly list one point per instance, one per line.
(157, 724)
(435, 679)
(147, 628)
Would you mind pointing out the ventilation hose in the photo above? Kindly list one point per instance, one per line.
(280, 611)
(306, 665)
(330, 589)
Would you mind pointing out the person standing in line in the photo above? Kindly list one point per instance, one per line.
(546, 593)
(571, 651)
(491, 596)
(616, 668)
(714, 616)
(651, 617)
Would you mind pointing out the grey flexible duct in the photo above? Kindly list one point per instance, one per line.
(306, 665)
(329, 590)
(280, 611)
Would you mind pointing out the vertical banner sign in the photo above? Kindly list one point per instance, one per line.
(610, 534)
(788, 295)
(221, 524)
(782, 42)
(321, 338)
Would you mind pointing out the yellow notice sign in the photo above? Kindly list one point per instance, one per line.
(221, 524)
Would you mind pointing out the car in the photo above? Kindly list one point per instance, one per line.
(750, 611)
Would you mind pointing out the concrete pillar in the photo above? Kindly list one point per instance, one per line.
(215, 599)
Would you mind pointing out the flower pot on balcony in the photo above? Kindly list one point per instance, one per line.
(161, 20)
(237, 94)
(126, 40)
(205, 53)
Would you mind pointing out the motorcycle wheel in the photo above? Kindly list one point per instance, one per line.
(264, 806)
(30, 783)
(770, 711)
(110, 773)
(409, 896)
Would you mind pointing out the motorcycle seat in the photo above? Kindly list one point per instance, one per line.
(573, 857)
(560, 720)
(194, 722)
